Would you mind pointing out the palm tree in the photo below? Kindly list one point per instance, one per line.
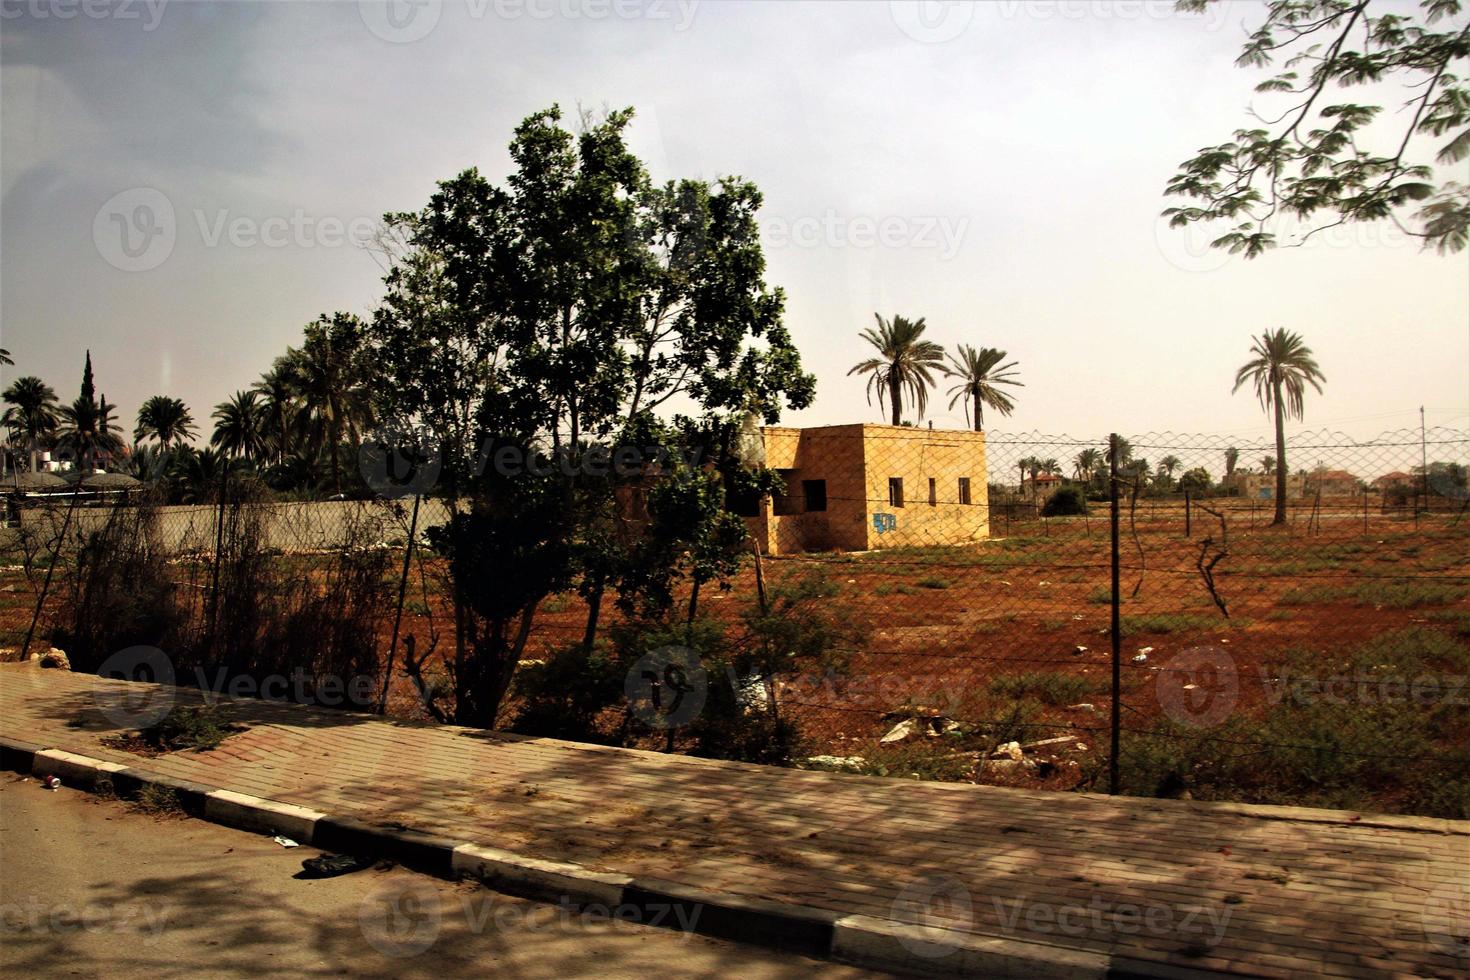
(86, 430)
(5, 360)
(1050, 466)
(33, 412)
(1268, 464)
(980, 371)
(164, 419)
(327, 375)
(1085, 464)
(237, 426)
(903, 365)
(1232, 457)
(1280, 371)
(277, 392)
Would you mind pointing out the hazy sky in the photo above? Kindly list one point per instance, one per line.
(181, 183)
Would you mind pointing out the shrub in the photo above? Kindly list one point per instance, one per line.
(1066, 502)
(1049, 688)
(199, 728)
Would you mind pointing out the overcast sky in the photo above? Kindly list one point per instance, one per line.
(994, 167)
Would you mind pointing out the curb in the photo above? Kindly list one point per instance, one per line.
(865, 941)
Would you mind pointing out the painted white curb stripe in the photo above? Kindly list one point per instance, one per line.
(263, 816)
(543, 879)
(70, 767)
(884, 944)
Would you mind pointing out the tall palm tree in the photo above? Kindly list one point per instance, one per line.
(86, 430)
(1232, 457)
(327, 373)
(1280, 371)
(1085, 464)
(277, 392)
(237, 426)
(1268, 465)
(903, 366)
(33, 412)
(980, 371)
(1050, 466)
(164, 419)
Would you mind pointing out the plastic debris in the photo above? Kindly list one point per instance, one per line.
(285, 841)
(1139, 658)
(332, 865)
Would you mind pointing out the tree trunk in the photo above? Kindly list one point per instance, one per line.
(1280, 456)
(594, 612)
(895, 398)
(979, 412)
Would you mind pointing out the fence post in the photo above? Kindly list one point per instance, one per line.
(1365, 510)
(51, 569)
(219, 547)
(1117, 638)
(413, 526)
(1188, 525)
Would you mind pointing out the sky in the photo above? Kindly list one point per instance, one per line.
(184, 185)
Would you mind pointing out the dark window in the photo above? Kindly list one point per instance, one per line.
(815, 492)
(785, 504)
(964, 489)
(895, 491)
(933, 492)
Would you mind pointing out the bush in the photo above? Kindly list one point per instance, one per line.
(199, 729)
(1049, 688)
(1066, 502)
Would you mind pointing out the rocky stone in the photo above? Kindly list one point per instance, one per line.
(907, 728)
(1010, 750)
(842, 763)
(55, 659)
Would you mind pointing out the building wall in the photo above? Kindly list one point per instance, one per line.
(856, 461)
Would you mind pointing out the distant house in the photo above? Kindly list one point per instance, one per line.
(1331, 483)
(1395, 482)
(1040, 487)
(858, 487)
(1262, 486)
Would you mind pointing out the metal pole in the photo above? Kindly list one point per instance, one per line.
(1117, 636)
(1365, 510)
(413, 526)
(1188, 525)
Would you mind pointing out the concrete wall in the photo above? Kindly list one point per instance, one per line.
(287, 527)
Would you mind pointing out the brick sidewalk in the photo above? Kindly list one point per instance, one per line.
(1256, 890)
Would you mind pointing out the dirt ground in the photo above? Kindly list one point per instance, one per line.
(967, 632)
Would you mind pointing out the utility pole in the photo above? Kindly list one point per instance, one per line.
(1117, 636)
(1423, 457)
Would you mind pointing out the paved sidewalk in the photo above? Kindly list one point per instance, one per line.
(1256, 890)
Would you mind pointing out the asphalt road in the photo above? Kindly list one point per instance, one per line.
(90, 887)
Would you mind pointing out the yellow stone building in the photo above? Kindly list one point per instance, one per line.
(859, 487)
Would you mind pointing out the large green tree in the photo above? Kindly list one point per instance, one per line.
(33, 413)
(1280, 369)
(903, 369)
(981, 373)
(164, 419)
(1320, 160)
(86, 428)
(545, 322)
(239, 427)
(329, 373)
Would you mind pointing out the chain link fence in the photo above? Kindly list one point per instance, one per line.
(1215, 639)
